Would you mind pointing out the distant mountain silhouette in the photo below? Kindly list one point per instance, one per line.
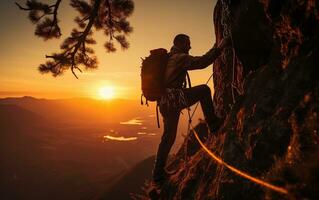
(82, 110)
(43, 159)
(16, 115)
(132, 181)
(21, 153)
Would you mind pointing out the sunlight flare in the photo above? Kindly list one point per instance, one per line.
(106, 92)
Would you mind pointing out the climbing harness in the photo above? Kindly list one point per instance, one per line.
(173, 98)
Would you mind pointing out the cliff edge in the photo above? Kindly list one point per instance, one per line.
(267, 92)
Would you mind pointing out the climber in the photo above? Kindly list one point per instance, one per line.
(178, 97)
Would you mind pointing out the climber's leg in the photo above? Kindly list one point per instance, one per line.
(170, 120)
(202, 93)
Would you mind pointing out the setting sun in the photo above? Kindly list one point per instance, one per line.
(106, 92)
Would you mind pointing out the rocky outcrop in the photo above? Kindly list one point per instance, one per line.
(267, 91)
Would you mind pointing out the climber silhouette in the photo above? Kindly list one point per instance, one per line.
(178, 97)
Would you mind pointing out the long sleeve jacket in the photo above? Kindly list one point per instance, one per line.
(180, 62)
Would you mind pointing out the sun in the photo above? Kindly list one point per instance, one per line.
(106, 92)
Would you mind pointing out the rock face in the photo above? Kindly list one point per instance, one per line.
(267, 92)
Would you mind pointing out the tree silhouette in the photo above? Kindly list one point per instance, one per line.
(109, 16)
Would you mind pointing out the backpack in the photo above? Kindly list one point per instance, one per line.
(152, 74)
(152, 77)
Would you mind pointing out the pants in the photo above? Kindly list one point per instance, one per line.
(192, 95)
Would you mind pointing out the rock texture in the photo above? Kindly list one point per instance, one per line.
(267, 91)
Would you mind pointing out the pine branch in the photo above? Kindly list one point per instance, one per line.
(108, 15)
(34, 9)
(110, 18)
(55, 18)
(22, 8)
(82, 38)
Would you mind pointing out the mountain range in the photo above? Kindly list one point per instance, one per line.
(56, 149)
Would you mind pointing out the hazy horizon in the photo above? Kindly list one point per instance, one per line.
(65, 98)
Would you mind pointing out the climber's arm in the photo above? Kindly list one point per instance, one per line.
(201, 62)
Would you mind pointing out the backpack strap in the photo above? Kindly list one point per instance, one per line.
(142, 102)
(189, 80)
(181, 73)
(142, 99)
(157, 117)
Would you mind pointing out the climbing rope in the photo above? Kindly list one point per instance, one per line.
(220, 161)
(226, 24)
(239, 172)
(225, 19)
(227, 33)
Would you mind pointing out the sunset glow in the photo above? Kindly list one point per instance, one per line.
(106, 92)
(120, 70)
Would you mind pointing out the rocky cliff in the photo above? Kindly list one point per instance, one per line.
(267, 92)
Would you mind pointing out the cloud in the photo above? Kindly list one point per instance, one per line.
(121, 138)
(135, 121)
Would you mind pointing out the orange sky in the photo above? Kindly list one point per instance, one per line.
(155, 24)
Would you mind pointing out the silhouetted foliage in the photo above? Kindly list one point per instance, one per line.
(110, 16)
